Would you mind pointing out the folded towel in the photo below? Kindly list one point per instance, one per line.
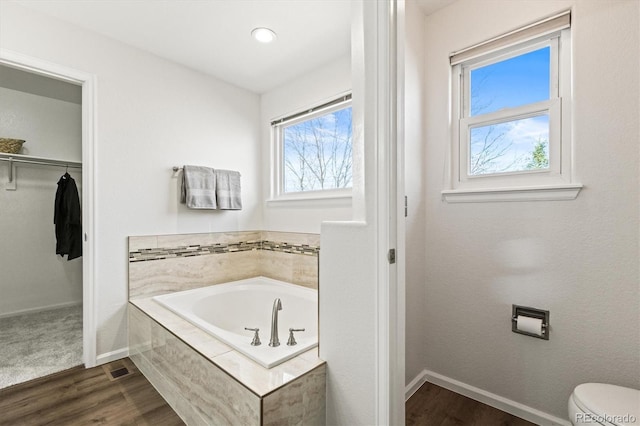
(198, 189)
(228, 191)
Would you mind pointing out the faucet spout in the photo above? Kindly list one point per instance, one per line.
(277, 306)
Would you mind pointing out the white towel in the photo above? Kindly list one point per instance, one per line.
(198, 187)
(228, 191)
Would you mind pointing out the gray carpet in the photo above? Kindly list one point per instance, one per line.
(38, 344)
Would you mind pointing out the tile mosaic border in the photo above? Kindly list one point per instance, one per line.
(304, 249)
(145, 255)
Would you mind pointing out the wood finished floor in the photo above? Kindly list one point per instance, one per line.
(86, 397)
(90, 397)
(432, 405)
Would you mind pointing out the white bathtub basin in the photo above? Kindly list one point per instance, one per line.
(224, 310)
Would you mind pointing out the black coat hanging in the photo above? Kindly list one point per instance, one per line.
(68, 218)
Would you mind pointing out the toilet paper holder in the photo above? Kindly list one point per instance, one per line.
(525, 311)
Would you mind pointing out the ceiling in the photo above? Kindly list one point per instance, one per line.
(214, 36)
(36, 84)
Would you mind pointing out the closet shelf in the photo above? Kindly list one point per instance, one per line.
(29, 159)
(19, 158)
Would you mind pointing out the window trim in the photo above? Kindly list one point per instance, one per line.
(335, 103)
(552, 107)
(556, 182)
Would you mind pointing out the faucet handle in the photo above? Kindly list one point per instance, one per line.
(256, 338)
(292, 340)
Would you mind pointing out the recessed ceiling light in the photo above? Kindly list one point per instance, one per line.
(263, 35)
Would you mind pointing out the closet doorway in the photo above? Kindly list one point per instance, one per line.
(43, 308)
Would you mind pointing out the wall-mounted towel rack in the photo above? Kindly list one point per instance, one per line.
(176, 168)
(28, 159)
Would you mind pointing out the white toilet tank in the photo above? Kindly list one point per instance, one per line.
(604, 404)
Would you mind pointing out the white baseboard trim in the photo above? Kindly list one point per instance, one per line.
(40, 309)
(414, 385)
(112, 356)
(496, 401)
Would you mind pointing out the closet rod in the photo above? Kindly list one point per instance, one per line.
(17, 158)
(27, 159)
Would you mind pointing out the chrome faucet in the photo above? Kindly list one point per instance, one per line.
(277, 306)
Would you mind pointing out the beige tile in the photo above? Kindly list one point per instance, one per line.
(255, 377)
(143, 242)
(190, 334)
(178, 403)
(292, 268)
(292, 237)
(139, 331)
(178, 240)
(301, 402)
(311, 355)
(305, 271)
(277, 265)
(155, 277)
(265, 380)
(216, 397)
(140, 352)
(234, 237)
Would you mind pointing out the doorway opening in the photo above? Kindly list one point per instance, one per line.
(47, 311)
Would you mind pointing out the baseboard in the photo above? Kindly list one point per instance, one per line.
(40, 309)
(501, 403)
(414, 385)
(112, 356)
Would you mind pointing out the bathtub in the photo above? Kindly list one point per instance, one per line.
(224, 310)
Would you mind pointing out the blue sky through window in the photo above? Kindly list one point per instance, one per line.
(509, 146)
(317, 153)
(510, 83)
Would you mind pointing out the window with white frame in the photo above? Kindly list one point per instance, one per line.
(511, 114)
(313, 152)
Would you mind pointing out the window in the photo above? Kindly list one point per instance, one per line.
(511, 128)
(506, 119)
(313, 150)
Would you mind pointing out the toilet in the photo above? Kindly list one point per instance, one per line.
(603, 404)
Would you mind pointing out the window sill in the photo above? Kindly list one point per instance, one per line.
(537, 193)
(333, 199)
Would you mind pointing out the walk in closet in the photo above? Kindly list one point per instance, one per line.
(40, 290)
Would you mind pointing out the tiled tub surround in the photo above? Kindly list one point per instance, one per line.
(203, 379)
(207, 383)
(168, 263)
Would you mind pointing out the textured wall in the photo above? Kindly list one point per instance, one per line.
(414, 186)
(579, 259)
(348, 278)
(307, 91)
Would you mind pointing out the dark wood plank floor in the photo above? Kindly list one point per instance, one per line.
(432, 405)
(86, 397)
(91, 396)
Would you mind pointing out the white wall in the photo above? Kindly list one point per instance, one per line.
(152, 114)
(416, 238)
(33, 276)
(352, 263)
(579, 259)
(322, 85)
